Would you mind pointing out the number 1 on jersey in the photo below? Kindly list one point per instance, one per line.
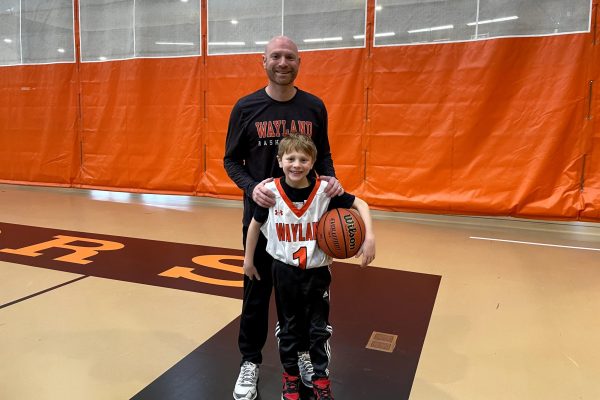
(300, 255)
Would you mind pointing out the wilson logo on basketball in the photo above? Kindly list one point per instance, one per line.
(351, 230)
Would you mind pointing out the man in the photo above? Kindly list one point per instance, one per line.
(257, 122)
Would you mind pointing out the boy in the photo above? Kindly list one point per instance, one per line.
(301, 275)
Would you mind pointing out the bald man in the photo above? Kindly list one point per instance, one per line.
(256, 124)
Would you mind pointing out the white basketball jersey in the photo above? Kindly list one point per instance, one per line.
(291, 229)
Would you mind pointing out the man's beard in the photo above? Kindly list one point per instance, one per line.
(283, 80)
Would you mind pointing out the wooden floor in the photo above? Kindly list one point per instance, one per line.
(108, 295)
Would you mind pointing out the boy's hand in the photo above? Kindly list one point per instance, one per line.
(251, 272)
(334, 188)
(367, 250)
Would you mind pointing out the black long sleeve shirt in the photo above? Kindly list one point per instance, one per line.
(256, 124)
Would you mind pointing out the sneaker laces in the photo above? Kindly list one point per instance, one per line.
(305, 363)
(291, 387)
(247, 374)
(290, 384)
(322, 389)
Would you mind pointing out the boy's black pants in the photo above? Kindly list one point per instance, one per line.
(302, 298)
(254, 321)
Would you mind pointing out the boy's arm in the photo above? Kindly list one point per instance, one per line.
(367, 250)
(251, 240)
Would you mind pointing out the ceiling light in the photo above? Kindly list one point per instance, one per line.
(491, 21)
(226, 43)
(7, 40)
(184, 1)
(102, 58)
(261, 42)
(327, 39)
(433, 28)
(378, 8)
(234, 21)
(60, 50)
(176, 43)
(382, 34)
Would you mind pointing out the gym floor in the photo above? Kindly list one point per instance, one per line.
(107, 295)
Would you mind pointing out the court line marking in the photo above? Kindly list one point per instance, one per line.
(534, 243)
(42, 291)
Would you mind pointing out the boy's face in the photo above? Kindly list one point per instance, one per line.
(296, 165)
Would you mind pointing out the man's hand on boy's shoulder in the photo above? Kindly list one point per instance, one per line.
(334, 187)
(263, 196)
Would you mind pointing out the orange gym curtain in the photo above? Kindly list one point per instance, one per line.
(493, 127)
(496, 127)
(591, 147)
(38, 124)
(141, 125)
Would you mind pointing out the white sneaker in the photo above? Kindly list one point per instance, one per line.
(306, 368)
(245, 386)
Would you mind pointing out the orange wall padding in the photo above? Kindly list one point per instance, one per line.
(38, 124)
(590, 198)
(494, 127)
(141, 125)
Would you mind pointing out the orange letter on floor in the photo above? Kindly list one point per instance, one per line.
(79, 255)
(210, 261)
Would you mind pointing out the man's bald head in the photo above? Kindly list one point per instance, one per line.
(281, 41)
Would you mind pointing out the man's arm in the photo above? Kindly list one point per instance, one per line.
(324, 164)
(235, 153)
(236, 149)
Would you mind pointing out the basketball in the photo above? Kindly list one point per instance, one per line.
(340, 232)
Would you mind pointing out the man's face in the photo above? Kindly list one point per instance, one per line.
(281, 62)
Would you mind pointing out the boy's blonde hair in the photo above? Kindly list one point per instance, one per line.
(297, 142)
